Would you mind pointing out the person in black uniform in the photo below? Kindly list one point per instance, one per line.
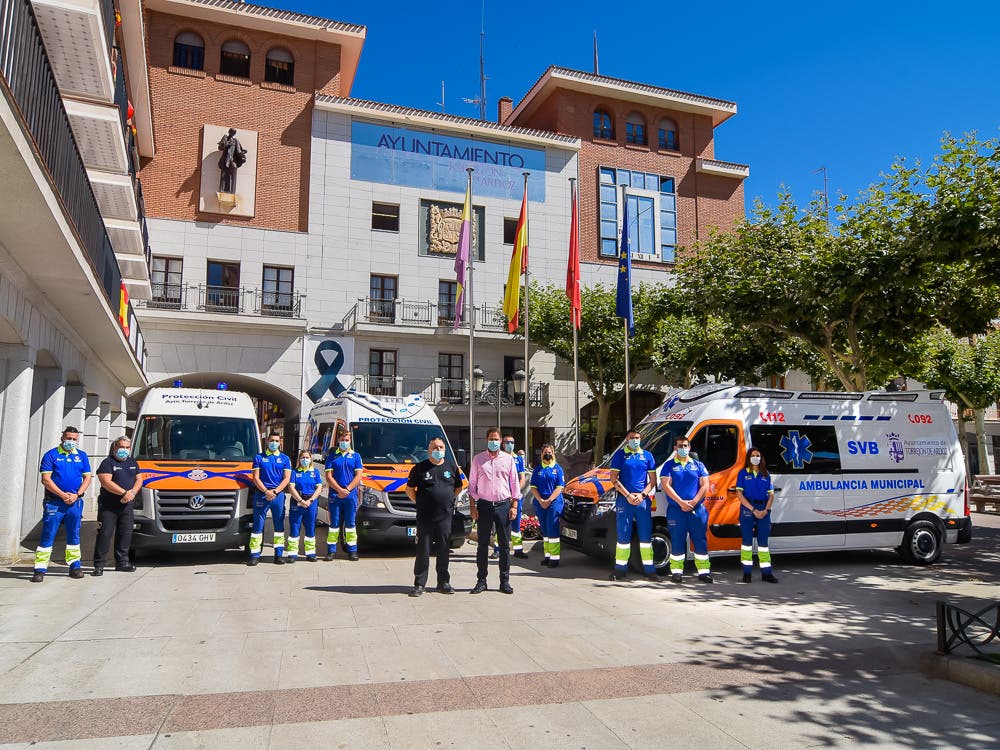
(120, 479)
(433, 485)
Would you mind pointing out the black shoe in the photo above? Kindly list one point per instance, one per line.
(651, 576)
(479, 588)
(290, 560)
(706, 578)
(38, 577)
(253, 561)
(553, 563)
(352, 556)
(506, 588)
(126, 568)
(310, 558)
(416, 591)
(495, 554)
(546, 562)
(76, 572)
(769, 577)
(445, 588)
(330, 555)
(616, 576)
(521, 554)
(279, 560)
(747, 578)
(97, 572)
(677, 578)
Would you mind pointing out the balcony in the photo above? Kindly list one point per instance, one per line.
(78, 37)
(225, 300)
(444, 391)
(419, 314)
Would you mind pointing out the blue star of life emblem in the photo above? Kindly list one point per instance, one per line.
(795, 449)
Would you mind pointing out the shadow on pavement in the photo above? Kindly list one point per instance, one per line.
(389, 589)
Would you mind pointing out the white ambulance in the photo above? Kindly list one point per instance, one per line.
(850, 471)
(391, 435)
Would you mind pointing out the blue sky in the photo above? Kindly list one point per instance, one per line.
(846, 85)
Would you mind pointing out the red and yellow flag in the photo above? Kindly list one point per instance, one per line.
(518, 265)
(123, 309)
(573, 271)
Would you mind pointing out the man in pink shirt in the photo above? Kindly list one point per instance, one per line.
(493, 483)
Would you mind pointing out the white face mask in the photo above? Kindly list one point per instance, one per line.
(755, 460)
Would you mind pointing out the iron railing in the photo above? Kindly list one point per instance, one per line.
(420, 314)
(447, 390)
(121, 94)
(957, 627)
(108, 16)
(227, 300)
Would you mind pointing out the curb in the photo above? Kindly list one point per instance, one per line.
(979, 675)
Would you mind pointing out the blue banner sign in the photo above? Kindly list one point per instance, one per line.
(417, 158)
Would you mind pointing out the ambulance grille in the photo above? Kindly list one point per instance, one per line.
(400, 503)
(576, 510)
(174, 511)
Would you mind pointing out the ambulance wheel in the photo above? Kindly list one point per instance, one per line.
(921, 543)
(661, 550)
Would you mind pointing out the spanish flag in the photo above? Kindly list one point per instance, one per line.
(123, 309)
(518, 265)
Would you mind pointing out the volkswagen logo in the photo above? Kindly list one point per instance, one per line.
(197, 502)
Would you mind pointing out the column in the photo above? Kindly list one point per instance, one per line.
(103, 432)
(74, 407)
(91, 424)
(44, 429)
(117, 424)
(16, 375)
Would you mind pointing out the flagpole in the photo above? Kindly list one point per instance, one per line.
(527, 370)
(628, 387)
(576, 361)
(471, 317)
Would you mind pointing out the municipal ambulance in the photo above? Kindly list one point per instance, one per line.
(391, 435)
(195, 448)
(850, 471)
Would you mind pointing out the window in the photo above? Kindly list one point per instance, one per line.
(451, 370)
(716, 446)
(279, 67)
(165, 275)
(447, 297)
(666, 137)
(222, 292)
(382, 305)
(791, 449)
(635, 129)
(652, 213)
(385, 217)
(235, 60)
(509, 231)
(382, 372)
(603, 125)
(278, 285)
(189, 51)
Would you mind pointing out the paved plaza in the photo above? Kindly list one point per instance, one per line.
(205, 652)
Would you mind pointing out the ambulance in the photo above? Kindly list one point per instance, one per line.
(391, 435)
(195, 448)
(850, 471)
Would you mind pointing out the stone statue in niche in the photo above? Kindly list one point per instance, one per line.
(233, 157)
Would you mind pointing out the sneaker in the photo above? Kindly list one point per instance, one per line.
(416, 591)
(677, 578)
(310, 558)
(445, 588)
(253, 561)
(747, 578)
(769, 577)
(479, 588)
(125, 568)
(506, 588)
(330, 555)
(76, 572)
(279, 560)
(521, 554)
(97, 572)
(706, 578)
(38, 577)
(352, 556)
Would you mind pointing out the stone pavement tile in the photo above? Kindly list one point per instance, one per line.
(392, 613)
(313, 667)
(422, 696)
(354, 637)
(398, 663)
(503, 691)
(348, 734)
(334, 703)
(322, 617)
(40, 622)
(282, 640)
(33, 681)
(484, 630)
(140, 742)
(657, 722)
(555, 653)
(418, 634)
(246, 738)
(13, 654)
(499, 657)
(191, 713)
(264, 619)
(566, 725)
(588, 628)
(196, 643)
(458, 729)
(80, 719)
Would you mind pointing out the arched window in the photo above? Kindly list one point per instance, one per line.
(667, 135)
(280, 67)
(189, 51)
(603, 125)
(635, 129)
(235, 60)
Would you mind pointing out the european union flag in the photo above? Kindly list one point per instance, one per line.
(623, 304)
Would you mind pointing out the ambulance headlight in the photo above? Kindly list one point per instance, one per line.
(462, 501)
(371, 498)
(606, 503)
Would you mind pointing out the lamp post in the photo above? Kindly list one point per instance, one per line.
(520, 378)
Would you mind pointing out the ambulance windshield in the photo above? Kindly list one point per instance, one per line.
(396, 442)
(197, 438)
(657, 438)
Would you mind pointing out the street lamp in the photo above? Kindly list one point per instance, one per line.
(478, 376)
(519, 377)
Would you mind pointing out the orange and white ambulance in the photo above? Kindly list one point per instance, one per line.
(196, 449)
(850, 471)
(391, 435)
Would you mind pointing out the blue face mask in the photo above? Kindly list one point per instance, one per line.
(69, 445)
(493, 445)
(634, 444)
(683, 452)
(273, 446)
(305, 461)
(345, 445)
(509, 447)
(437, 455)
(121, 454)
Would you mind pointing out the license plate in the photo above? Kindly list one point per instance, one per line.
(411, 530)
(186, 538)
(569, 533)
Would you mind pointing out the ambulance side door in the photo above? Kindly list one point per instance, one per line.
(720, 445)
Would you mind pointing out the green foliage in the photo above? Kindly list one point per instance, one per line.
(967, 370)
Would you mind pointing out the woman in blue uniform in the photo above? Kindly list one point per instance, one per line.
(756, 494)
(547, 482)
(305, 489)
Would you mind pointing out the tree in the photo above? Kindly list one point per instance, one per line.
(601, 341)
(968, 371)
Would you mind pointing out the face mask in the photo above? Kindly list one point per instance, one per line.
(305, 461)
(273, 446)
(634, 444)
(121, 454)
(683, 452)
(509, 447)
(547, 457)
(69, 445)
(437, 455)
(755, 460)
(345, 445)
(493, 445)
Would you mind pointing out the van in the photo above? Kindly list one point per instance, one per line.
(391, 435)
(850, 471)
(195, 448)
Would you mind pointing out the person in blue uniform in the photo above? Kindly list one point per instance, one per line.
(633, 475)
(305, 488)
(684, 480)
(120, 479)
(547, 482)
(756, 495)
(344, 471)
(516, 539)
(272, 470)
(66, 475)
